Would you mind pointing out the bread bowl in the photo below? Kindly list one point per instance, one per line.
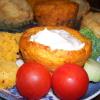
(53, 58)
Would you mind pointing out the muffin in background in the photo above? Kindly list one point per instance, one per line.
(57, 12)
(9, 53)
(14, 14)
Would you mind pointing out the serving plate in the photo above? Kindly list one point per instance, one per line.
(12, 93)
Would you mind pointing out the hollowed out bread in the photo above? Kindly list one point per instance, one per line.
(53, 58)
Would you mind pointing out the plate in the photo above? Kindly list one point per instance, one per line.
(12, 93)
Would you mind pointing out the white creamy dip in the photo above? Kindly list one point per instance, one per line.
(57, 39)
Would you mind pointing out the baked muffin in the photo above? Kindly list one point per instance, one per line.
(9, 52)
(51, 50)
(14, 14)
(57, 12)
(8, 70)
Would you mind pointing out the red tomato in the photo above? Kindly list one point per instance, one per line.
(70, 82)
(33, 81)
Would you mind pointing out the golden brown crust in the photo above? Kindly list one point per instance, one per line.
(53, 58)
(9, 50)
(55, 12)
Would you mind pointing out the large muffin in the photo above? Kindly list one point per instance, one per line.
(9, 52)
(53, 58)
(57, 12)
